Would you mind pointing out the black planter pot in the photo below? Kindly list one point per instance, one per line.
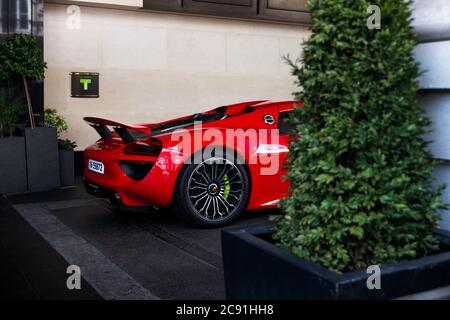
(42, 159)
(66, 168)
(13, 166)
(254, 268)
(29, 163)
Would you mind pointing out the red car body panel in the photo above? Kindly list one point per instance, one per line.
(157, 187)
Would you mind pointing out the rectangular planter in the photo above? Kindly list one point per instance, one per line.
(13, 168)
(42, 159)
(257, 269)
(66, 168)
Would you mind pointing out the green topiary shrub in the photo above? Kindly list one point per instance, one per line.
(361, 178)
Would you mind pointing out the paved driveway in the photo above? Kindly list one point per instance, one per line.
(129, 255)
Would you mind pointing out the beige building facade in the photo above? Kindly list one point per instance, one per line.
(155, 66)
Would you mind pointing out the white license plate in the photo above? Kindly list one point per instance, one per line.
(96, 166)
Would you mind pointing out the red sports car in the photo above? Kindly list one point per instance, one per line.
(209, 166)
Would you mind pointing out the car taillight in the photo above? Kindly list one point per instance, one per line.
(147, 147)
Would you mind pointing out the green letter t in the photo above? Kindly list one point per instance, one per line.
(85, 83)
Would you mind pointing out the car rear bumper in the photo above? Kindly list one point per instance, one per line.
(114, 197)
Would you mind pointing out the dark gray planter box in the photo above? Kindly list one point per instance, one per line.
(13, 168)
(254, 268)
(66, 168)
(42, 159)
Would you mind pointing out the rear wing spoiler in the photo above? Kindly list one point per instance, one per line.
(123, 130)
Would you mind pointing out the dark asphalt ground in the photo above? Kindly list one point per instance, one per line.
(29, 267)
(169, 258)
(124, 255)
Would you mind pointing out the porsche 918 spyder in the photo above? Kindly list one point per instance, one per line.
(209, 167)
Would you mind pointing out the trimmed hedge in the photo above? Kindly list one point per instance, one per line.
(361, 176)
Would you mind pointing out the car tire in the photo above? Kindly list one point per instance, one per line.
(226, 187)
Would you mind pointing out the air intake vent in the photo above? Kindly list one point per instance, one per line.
(136, 170)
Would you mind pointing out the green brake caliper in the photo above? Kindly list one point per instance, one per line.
(227, 187)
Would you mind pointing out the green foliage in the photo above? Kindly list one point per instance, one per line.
(21, 56)
(66, 144)
(10, 115)
(361, 178)
(53, 120)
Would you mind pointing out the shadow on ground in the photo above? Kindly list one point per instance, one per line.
(169, 258)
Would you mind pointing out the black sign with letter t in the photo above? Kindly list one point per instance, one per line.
(85, 84)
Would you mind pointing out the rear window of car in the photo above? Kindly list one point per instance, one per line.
(217, 114)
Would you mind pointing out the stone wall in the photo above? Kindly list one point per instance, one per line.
(156, 66)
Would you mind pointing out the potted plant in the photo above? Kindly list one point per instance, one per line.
(360, 219)
(13, 176)
(65, 146)
(21, 58)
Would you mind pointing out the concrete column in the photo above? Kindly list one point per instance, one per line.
(432, 24)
